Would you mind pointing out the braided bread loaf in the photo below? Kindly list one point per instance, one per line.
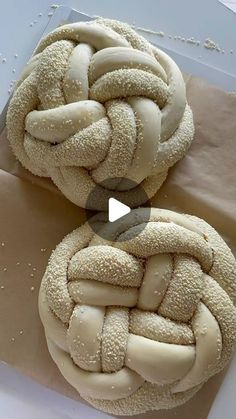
(142, 321)
(97, 101)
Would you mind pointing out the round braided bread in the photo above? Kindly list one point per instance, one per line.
(140, 321)
(97, 101)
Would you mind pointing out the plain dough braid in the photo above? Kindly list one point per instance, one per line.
(97, 101)
(141, 321)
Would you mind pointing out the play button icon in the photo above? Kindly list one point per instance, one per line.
(116, 209)
(115, 198)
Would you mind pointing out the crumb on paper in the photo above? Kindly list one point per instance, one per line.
(150, 31)
(193, 41)
(212, 45)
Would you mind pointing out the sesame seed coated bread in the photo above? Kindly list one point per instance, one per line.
(142, 321)
(97, 101)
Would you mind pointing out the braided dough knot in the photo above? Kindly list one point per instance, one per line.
(142, 321)
(96, 102)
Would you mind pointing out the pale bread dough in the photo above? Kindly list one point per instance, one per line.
(97, 101)
(141, 322)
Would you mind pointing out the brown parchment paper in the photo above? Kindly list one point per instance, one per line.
(34, 217)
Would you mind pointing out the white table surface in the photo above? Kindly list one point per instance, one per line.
(22, 398)
(20, 29)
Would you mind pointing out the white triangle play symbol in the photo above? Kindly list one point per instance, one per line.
(116, 209)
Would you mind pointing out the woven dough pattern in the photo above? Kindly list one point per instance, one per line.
(142, 321)
(95, 102)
